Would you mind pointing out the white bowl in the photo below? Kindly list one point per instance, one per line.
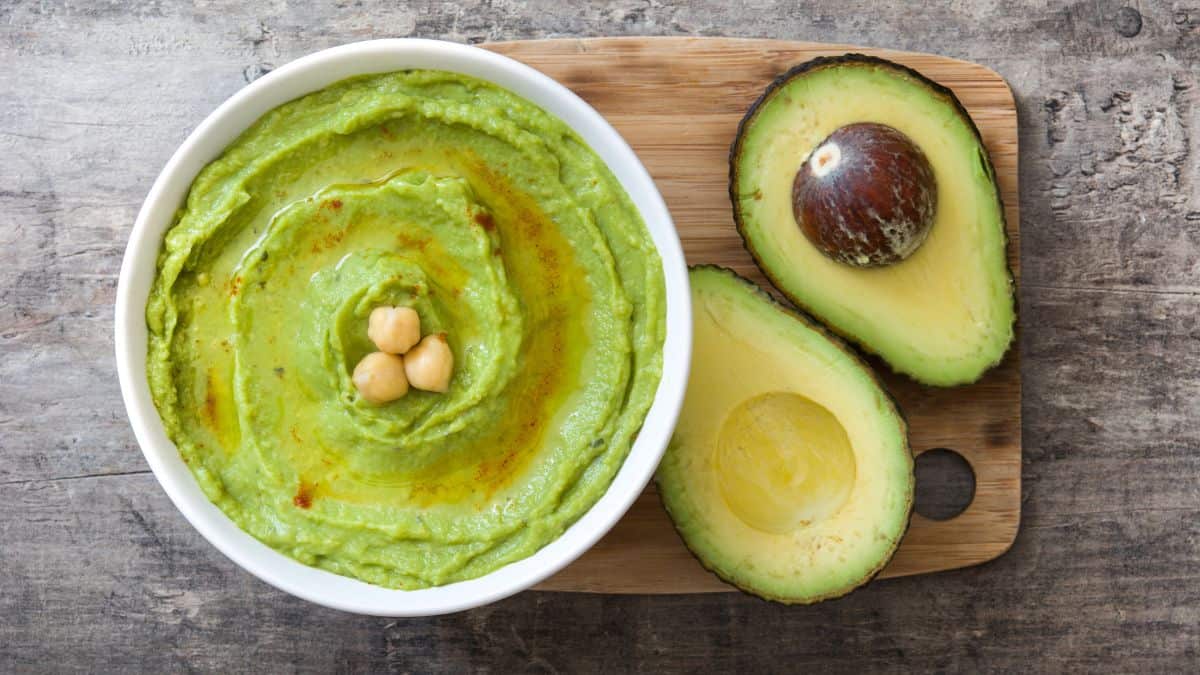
(296, 79)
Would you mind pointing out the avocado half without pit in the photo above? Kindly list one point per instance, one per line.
(865, 194)
(789, 474)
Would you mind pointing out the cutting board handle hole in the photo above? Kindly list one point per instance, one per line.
(945, 484)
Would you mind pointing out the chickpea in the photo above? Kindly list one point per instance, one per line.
(394, 329)
(430, 364)
(380, 377)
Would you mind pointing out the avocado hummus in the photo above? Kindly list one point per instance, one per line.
(492, 219)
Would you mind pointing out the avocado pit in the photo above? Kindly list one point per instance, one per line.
(865, 196)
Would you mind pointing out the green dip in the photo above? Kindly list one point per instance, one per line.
(500, 227)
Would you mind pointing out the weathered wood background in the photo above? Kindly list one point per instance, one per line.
(99, 572)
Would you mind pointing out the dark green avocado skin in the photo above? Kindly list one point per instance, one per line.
(854, 356)
(851, 59)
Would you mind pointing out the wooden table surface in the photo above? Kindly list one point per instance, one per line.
(99, 572)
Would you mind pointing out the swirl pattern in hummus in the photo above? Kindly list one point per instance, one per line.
(503, 229)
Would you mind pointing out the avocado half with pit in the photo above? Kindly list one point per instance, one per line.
(789, 474)
(864, 192)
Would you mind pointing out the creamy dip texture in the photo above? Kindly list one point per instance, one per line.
(493, 220)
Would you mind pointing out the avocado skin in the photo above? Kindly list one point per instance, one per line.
(857, 359)
(857, 59)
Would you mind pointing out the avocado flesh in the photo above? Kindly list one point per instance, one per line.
(789, 474)
(945, 314)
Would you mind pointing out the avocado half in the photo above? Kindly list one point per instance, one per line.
(789, 474)
(945, 314)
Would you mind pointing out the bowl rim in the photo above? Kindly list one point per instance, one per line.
(139, 265)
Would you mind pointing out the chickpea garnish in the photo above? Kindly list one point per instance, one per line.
(404, 358)
(394, 329)
(430, 364)
(380, 377)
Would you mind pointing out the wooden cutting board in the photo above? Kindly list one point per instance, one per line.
(678, 101)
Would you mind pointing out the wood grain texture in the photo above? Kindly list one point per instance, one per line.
(678, 101)
(100, 573)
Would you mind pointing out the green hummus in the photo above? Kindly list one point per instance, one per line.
(501, 228)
